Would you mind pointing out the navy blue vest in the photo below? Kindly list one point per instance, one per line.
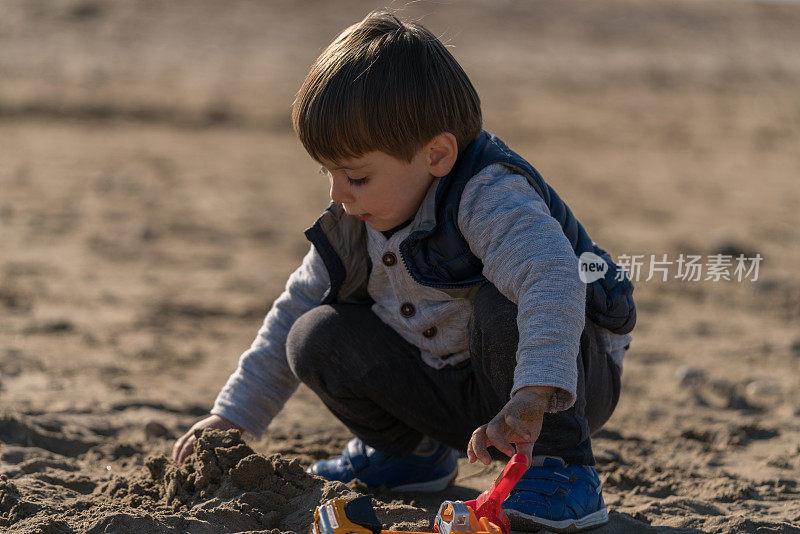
(440, 257)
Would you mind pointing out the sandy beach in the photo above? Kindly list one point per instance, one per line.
(152, 202)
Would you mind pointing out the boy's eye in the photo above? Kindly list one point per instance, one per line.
(351, 181)
(357, 181)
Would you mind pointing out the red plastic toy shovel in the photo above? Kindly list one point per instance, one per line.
(488, 504)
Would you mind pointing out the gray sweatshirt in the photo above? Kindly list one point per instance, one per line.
(525, 255)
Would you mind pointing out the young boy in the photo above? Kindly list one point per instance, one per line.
(440, 307)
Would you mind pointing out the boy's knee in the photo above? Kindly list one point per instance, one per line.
(494, 317)
(309, 337)
(493, 338)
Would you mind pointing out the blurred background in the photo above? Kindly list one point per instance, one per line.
(153, 197)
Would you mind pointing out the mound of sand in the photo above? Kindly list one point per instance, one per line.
(224, 487)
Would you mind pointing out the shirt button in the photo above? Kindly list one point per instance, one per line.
(430, 332)
(389, 259)
(407, 310)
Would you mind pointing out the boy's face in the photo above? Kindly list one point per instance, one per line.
(384, 191)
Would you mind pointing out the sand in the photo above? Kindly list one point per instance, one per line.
(152, 202)
(225, 486)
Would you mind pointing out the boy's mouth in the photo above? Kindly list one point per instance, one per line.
(363, 216)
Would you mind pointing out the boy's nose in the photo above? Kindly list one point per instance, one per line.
(339, 192)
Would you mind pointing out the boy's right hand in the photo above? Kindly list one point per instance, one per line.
(185, 444)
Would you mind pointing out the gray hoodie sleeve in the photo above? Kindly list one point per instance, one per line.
(263, 381)
(527, 257)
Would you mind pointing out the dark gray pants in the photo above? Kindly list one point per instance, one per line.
(374, 381)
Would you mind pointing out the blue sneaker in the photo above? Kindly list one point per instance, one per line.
(424, 470)
(558, 497)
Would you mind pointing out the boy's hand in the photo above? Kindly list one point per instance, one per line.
(185, 444)
(519, 422)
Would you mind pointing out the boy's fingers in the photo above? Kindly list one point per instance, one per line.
(188, 448)
(176, 449)
(478, 444)
(530, 418)
(470, 453)
(526, 448)
(471, 456)
(498, 439)
(187, 451)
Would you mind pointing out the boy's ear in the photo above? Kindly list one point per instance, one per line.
(441, 153)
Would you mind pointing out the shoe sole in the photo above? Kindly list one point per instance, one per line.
(529, 523)
(430, 486)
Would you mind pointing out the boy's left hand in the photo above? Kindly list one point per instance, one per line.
(519, 422)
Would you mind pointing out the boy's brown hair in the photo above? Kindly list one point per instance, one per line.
(384, 85)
